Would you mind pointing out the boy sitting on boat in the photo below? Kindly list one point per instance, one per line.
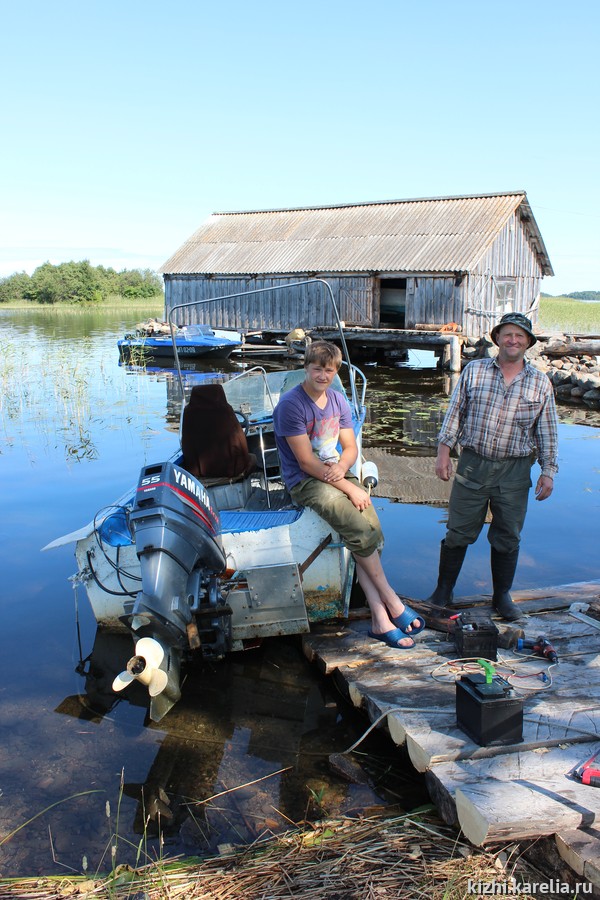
(311, 422)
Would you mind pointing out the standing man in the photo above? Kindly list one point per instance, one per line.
(503, 415)
(311, 422)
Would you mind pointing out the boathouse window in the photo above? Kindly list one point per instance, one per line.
(392, 304)
(505, 293)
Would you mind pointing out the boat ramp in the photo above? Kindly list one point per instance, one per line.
(504, 792)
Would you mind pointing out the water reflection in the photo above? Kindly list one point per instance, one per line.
(243, 754)
(405, 410)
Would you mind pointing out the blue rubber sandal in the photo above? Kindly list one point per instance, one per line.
(406, 618)
(391, 638)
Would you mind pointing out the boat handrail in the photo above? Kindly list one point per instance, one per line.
(351, 369)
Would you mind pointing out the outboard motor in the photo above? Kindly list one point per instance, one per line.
(177, 541)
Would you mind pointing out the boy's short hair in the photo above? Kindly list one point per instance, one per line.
(322, 353)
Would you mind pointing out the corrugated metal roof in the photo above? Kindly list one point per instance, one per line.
(439, 234)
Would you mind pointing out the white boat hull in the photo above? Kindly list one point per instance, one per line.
(269, 561)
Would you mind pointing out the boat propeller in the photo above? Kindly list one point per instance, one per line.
(144, 667)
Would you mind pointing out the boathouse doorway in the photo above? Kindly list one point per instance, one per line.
(392, 302)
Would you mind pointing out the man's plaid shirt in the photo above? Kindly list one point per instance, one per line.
(500, 422)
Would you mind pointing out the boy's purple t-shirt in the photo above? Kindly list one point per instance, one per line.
(297, 414)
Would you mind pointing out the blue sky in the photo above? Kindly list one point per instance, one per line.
(125, 124)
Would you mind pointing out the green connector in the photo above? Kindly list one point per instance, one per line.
(488, 669)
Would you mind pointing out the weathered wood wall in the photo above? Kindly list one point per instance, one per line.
(279, 310)
(433, 299)
(511, 256)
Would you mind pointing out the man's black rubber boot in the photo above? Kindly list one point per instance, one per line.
(503, 572)
(451, 560)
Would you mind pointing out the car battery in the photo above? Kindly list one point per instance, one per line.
(475, 636)
(486, 711)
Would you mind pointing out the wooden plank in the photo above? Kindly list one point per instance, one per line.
(595, 623)
(534, 813)
(578, 591)
(580, 848)
(548, 603)
(438, 739)
(518, 796)
(545, 772)
(350, 646)
(392, 337)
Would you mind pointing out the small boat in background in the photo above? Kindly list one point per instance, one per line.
(154, 340)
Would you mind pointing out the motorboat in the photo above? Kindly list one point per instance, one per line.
(190, 342)
(191, 563)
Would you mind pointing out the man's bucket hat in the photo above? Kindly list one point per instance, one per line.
(514, 318)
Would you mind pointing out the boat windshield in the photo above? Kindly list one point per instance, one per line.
(190, 331)
(255, 393)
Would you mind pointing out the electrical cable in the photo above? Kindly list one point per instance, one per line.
(120, 571)
(470, 665)
(102, 586)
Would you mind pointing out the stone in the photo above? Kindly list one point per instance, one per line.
(563, 390)
(580, 380)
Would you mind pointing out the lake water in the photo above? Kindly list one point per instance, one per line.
(75, 429)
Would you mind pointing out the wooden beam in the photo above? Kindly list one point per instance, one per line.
(572, 348)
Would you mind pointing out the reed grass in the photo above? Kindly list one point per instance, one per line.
(114, 303)
(65, 395)
(413, 855)
(568, 315)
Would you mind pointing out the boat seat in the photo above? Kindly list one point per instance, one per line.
(213, 443)
(297, 376)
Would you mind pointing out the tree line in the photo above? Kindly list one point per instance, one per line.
(577, 295)
(79, 282)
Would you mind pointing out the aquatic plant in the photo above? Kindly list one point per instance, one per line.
(61, 397)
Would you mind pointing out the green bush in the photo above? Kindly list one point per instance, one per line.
(15, 287)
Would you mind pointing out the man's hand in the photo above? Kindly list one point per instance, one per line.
(334, 472)
(443, 463)
(359, 497)
(544, 487)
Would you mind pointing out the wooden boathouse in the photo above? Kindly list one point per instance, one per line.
(400, 269)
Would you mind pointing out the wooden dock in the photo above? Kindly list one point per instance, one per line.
(512, 792)
(394, 341)
(445, 344)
